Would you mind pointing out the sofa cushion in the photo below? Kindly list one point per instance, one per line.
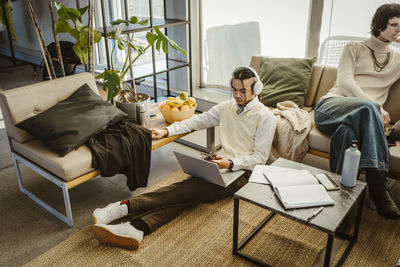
(41, 96)
(71, 122)
(72, 165)
(395, 158)
(317, 139)
(327, 81)
(316, 74)
(285, 79)
(392, 103)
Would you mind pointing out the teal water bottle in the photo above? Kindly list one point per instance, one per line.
(351, 162)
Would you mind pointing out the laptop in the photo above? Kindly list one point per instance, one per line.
(207, 170)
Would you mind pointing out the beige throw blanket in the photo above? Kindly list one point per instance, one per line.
(292, 127)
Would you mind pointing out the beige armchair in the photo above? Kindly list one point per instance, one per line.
(66, 172)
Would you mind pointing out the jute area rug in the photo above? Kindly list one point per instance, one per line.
(203, 237)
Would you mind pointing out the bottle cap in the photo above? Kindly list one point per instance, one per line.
(140, 107)
(354, 143)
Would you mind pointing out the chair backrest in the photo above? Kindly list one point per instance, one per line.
(24, 102)
(332, 47)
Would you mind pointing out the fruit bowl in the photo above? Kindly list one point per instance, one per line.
(175, 114)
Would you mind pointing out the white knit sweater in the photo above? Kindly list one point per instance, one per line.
(357, 77)
(246, 138)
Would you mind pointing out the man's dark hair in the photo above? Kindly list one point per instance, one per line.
(242, 73)
(382, 15)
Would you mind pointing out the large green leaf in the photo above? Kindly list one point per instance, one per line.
(102, 75)
(83, 37)
(121, 45)
(97, 36)
(111, 35)
(133, 20)
(119, 21)
(157, 30)
(85, 52)
(143, 22)
(111, 83)
(77, 50)
(62, 26)
(75, 33)
(165, 46)
(61, 11)
(151, 37)
(83, 10)
(158, 44)
(79, 25)
(175, 46)
(73, 13)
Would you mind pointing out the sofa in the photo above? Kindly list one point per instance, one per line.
(323, 79)
(66, 172)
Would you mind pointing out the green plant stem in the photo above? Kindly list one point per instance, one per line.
(126, 61)
(112, 53)
(133, 61)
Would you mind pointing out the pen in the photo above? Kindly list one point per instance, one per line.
(318, 211)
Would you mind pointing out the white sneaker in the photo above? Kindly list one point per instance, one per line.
(122, 235)
(110, 213)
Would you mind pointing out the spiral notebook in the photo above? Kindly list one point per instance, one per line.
(298, 189)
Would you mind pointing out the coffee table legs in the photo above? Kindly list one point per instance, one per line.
(236, 249)
(351, 238)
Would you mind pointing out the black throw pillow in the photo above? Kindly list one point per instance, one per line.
(70, 123)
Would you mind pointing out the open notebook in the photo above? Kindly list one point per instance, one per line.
(298, 188)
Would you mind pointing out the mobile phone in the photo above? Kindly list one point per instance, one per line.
(327, 182)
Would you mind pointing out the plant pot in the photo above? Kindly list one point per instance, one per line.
(131, 107)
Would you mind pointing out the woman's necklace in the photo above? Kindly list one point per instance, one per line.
(378, 66)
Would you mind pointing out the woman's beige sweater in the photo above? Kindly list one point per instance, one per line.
(357, 76)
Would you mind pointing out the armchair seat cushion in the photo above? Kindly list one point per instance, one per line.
(317, 139)
(72, 165)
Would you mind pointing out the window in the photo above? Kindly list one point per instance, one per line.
(233, 31)
(341, 18)
(342, 23)
(115, 9)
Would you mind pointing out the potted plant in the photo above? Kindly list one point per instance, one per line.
(81, 33)
(122, 92)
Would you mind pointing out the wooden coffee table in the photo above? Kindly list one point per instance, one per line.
(158, 121)
(329, 220)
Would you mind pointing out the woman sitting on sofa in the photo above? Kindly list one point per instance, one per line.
(353, 108)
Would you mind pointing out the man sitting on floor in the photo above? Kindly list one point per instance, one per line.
(246, 130)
